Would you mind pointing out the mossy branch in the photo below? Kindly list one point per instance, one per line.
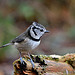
(44, 65)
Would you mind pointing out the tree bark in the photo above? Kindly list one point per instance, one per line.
(44, 65)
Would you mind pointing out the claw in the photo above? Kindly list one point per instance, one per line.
(22, 62)
(31, 60)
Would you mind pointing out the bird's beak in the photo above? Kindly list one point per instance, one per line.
(47, 31)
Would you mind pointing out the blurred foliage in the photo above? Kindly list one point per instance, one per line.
(56, 15)
(7, 32)
(26, 11)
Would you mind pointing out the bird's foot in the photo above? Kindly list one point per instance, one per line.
(22, 61)
(31, 60)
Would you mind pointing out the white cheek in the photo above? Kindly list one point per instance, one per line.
(32, 33)
(34, 36)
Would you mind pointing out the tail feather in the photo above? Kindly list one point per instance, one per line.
(6, 45)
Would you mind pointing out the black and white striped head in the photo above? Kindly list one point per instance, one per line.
(37, 30)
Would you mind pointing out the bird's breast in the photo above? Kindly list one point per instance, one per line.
(27, 45)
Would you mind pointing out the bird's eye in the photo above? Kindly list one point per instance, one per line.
(41, 30)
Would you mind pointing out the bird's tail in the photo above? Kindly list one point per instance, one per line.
(6, 45)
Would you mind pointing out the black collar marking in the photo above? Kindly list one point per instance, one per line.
(32, 37)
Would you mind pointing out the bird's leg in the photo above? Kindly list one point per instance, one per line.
(31, 60)
(22, 62)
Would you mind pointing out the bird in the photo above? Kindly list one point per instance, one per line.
(28, 40)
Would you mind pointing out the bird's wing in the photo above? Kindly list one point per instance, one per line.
(19, 39)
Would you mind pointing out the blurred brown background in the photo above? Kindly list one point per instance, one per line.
(58, 16)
